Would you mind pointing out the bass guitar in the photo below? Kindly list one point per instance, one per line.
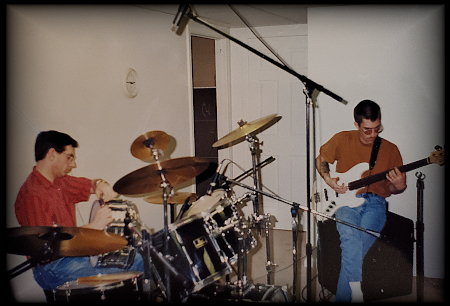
(331, 200)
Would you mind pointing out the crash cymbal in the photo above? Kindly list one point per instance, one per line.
(68, 241)
(140, 148)
(176, 198)
(148, 179)
(243, 130)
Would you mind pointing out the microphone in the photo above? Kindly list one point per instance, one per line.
(215, 179)
(180, 21)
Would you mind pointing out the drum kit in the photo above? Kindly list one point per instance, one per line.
(186, 259)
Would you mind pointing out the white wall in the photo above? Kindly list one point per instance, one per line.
(393, 55)
(65, 71)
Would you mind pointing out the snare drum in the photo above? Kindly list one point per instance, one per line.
(126, 222)
(223, 220)
(123, 286)
(125, 215)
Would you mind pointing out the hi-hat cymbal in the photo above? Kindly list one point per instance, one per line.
(253, 127)
(176, 198)
(140, 148)
(148, 179)
(68, 241)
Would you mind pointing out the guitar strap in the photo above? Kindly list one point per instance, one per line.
(374, 154)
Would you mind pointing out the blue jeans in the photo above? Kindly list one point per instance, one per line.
(355, 243)
(55, 273)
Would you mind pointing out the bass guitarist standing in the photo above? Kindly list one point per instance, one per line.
(347, 149)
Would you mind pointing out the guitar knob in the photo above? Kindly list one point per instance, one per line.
(438, 148)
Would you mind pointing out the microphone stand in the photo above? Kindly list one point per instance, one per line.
(310, 86)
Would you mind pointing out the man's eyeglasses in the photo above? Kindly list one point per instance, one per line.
(70, 157)
(377, 130)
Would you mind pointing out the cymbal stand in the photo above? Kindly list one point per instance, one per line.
(255, 196)
(265, 221)
(166, 188)
(242, 281)
(261, 220)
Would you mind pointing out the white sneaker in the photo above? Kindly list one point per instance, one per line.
(357, 295)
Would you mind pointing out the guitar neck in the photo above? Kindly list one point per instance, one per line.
(382, 175)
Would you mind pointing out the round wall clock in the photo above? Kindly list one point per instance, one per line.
(131, 84)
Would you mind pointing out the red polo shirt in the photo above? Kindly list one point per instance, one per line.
(41, 203)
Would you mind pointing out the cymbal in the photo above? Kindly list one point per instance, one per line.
(148, 179)
(253, 127)
(69, 241)
(139, 147)
(176, 198)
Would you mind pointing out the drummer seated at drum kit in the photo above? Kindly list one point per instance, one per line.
(48, 198)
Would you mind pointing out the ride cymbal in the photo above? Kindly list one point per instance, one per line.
(64, 241)
(245, 129)
(148, 179)
(140, 148)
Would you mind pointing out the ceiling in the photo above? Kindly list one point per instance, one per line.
(256, 14)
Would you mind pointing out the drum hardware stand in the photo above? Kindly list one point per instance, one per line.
(294, 213)
(254, 147)
(152, 279)
(241, 261)
(257, 218)
(47, 253)
(166, 188)
(419, 234)
(150, 272)
(270, 265)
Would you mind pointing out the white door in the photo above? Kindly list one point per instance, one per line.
(258, 89)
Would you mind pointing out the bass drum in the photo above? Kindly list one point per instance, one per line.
(267, 293)
(231, 293)
(195, 255)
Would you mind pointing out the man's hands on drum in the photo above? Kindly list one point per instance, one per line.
(103, 216)
(103, 190)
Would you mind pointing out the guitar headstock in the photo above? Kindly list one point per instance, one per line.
(438, 156)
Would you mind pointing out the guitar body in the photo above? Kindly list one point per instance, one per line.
(331, 201)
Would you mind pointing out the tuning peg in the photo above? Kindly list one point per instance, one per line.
(438, 148)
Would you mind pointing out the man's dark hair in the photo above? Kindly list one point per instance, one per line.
(366, 109)
(52, 139)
